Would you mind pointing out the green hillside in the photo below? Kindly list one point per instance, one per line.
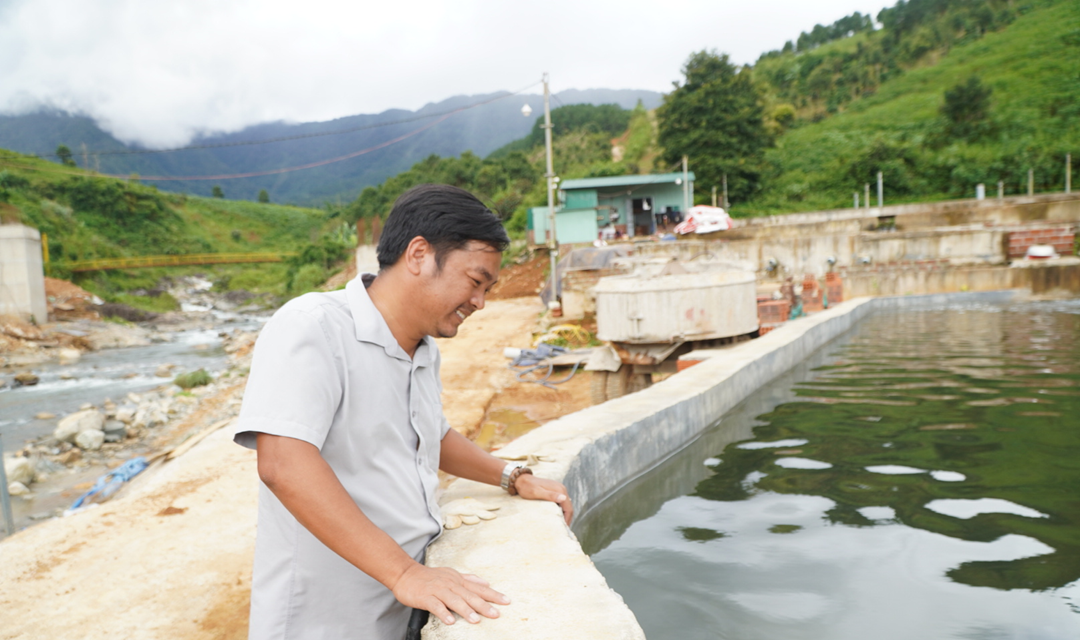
(840, 103)
(87, 217)
(897, 127)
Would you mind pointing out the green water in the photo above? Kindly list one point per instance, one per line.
(919, 478)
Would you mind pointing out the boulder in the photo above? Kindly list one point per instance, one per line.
(126, 414)
(150, 415)
(44, 415)
(26, 379)
(19, 470)
(115, 431)
(18, 489)
(73, 425)
(90, 440)
(69, 356)
(165, 371)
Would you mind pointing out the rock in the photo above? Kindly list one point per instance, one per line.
(44, 415)
(70, 457)
(26, 379)
(86, 405)
(68, 376)
(165, 370)
(80, 421)
(19, 470)
(126, 414)
(90, 440)
(149, 415)
(69, 356)
(18, 489)
(115, 431)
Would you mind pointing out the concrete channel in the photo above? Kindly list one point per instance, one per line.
(529, 553)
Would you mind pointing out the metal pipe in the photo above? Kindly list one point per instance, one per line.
(550, 175)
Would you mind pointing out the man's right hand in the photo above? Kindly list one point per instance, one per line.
(443, 592)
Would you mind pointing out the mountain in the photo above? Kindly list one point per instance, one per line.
(481, 129)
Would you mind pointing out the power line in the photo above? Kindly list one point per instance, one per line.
(301, 136)
(255, 174)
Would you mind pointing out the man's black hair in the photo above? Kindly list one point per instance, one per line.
(447, 217)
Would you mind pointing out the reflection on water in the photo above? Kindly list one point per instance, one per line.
(917, 479)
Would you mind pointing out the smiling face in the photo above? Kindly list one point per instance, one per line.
(457, 290)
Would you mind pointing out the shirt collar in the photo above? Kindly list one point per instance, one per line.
(371, 327)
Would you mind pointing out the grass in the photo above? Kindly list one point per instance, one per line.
(1035, 113)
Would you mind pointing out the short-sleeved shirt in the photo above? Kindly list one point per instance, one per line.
(328, 371)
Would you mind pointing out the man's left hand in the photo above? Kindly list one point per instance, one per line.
(531, 487)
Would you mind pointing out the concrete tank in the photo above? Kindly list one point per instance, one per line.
(676, 308)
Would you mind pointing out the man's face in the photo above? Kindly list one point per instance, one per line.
(455, 292)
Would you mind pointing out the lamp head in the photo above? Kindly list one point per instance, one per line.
(526, 110)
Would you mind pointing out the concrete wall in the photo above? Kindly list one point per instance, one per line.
(529, 553)
(22, 276)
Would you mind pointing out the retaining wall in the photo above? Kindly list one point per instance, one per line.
(532, 556)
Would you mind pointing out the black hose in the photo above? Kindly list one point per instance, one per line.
(417, 620)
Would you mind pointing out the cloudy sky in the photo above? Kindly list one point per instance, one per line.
(160, 72)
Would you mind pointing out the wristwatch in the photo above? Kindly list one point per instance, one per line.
(510, 474)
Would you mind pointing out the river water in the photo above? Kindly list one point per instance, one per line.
(917, 478)
(112, 373)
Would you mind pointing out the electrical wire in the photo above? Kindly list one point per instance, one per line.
(304, 135)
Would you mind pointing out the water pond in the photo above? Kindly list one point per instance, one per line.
(917, 478)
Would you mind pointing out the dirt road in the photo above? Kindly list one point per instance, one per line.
(171, 557)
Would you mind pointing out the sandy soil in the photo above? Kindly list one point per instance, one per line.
(171, 556)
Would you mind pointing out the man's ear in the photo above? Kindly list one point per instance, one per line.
(415, 254)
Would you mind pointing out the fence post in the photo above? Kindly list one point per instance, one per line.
(5, 497)
(1001, 190)
(880, 191)
(866, 189)
(1068, 173)
(856, 199)
(1031, 182)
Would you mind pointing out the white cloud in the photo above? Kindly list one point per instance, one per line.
(161, 73)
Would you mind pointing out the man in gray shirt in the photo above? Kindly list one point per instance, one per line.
(343, 405)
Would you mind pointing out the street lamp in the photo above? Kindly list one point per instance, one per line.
(553, 242)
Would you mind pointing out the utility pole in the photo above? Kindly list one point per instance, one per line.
(685, 186)
(550, 175)
(727, 203)
(880, 191)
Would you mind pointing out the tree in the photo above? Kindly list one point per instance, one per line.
(967, 108)
(264, 196)
(64, 154)
(716, 118)
(217, 192)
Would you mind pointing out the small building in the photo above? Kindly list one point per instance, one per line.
(22, 275)
(617, 206)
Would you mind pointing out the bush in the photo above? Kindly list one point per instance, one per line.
(308, 278)
(194, 379)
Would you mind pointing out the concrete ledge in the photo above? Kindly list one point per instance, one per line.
(529, 553)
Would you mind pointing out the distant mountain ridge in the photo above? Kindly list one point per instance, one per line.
(480, 129)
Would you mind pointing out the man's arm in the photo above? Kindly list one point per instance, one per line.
(298, 475)
(460, 457)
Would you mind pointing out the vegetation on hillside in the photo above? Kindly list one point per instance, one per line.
(89, 217)
(511, 179)
(998, 104)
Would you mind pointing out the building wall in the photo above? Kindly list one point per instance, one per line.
(571, 225)
(22, 277)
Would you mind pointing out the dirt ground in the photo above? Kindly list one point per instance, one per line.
(171, 556)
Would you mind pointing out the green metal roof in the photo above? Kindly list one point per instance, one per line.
(622, 181)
